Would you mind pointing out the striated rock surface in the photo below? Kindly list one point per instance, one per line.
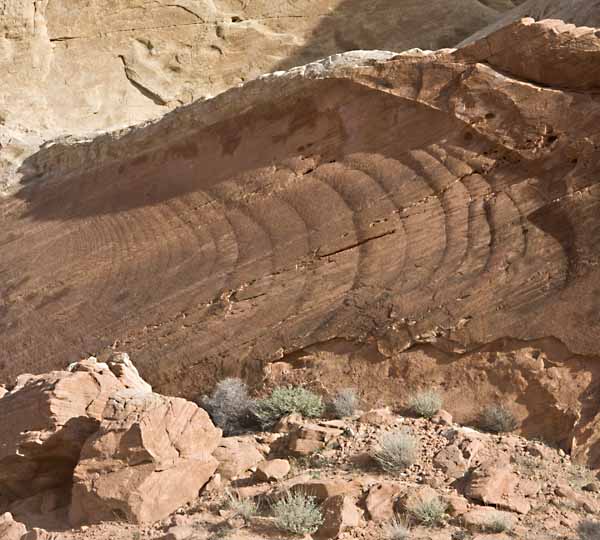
(423, 216)
(577, 12)
(73, 67)
(151, 455)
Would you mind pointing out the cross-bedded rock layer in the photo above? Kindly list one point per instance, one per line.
(448, 197)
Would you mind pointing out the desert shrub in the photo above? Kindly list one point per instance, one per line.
(229, 406)
(588, 529)
(396, 451)
(297, 513)
(397, 529)
(498, 522)
(286, 400)
(425, 403)
(429, 512)
(243, 507)
(344, 403)
(497, 419)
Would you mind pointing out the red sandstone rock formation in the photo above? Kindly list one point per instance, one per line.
(405, 213)
(97, 440)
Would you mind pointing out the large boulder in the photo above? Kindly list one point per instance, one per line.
(47, 418)
(150, 455)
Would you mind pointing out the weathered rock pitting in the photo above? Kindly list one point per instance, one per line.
(387, 201)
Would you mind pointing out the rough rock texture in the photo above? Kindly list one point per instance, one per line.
(424, 216)
(151, 455)
(578, 12)
(10, 529)
(237, 455)
(46, 419)
(496, 484)
(72, 67)
(339, 513)
(96, 442)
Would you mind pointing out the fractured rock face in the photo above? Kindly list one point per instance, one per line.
(407, 211)
(46, 419)
(496, 483)
(150, 455)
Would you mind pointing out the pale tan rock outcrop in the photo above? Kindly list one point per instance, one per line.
(76, 68)
(11, 529)
(272, 470)
(374, 219)
(237, 455)
(151, 455)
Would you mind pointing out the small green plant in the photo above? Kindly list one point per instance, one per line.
(498, 522)
(285, 400)
(397, 529)
(425, 403)
(588, 529)
(429, 512)
(397, 451)
(243, 507)
(229, 406)
(297, 513)
(344, 403)
(497, 419)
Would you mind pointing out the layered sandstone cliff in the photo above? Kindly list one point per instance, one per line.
(403, 212)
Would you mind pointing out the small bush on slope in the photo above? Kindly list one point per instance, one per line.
(229, 406)
(397, 530)
(397, 451)
(497, 419)
(246, 508)
(589, 530)
(287, 400)
(498, 522)
(297, 513)
(429, 512)
(425, 403)
(344, 403)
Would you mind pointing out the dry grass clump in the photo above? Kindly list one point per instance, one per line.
(344, 403)
(425, 403)
(297, 513)
(397, 529)
(498, 522)
(397, 451)
(497, 419)
(243, 507)
(429, 512)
